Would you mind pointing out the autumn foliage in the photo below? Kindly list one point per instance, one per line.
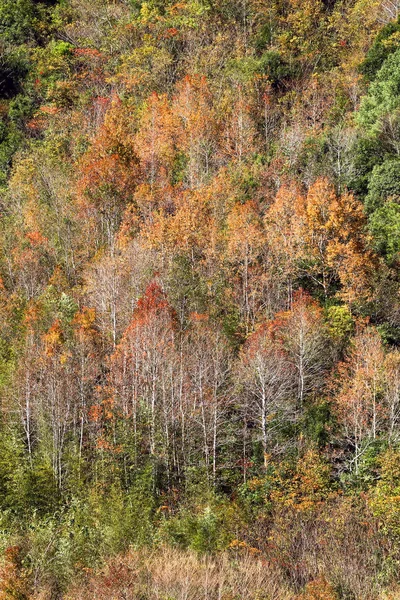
(199, 299)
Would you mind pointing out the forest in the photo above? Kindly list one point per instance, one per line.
(200, 300)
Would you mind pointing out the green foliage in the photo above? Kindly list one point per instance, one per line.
(10, 140)
(386, 42)
(14, 67)
(367, 152)
(141, 505)
(117, 119)
(56, 305)
(187, 15)
(255, 493)
(318, 423)
(367, 474)
(390, 333)
(274, 67)
(384, 498)
(39, 493)
(24, 20)
(11, 472)
(24, 24)
(27, 487)
(53, 63)
(340, 323)
(383, 99)
(384, 225)
(17, 19)
(20, 109)
(207, 529)
(313, 156)
(384, 184)
(188, 291)
(112, 519)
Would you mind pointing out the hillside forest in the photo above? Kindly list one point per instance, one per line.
(200, 300)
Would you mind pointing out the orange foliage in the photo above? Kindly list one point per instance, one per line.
(322, 236)
(156, 139)
(53, 338)
(108, 172)
(319, 589)
(191, 227)
(360, 379)
(307, 488)
(13, 583)
(197, 133)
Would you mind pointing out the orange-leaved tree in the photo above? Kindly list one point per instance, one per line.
(107, 175)
(361, 386)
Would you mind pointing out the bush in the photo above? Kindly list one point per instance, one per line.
(384, 183)
(384, 225)
(386, 42)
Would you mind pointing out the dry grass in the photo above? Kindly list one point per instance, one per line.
(171, 574)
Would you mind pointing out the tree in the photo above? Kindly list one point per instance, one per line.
(108, 174)
(245, 240)
(391, 399)
(265, 380)
(383, 184)
(240, 135)
(25, 391)
(32, 263)
(156, 140)
(389, 10)
(384, 498)
(384, 226)
(302, 333)
(188, 229)
(41, 206)
(206, 361)
(113, 285)
(86, 370)
(385, 43)
(192, 105)
(359, 399)
(334, 233)
(56, 398)
(283, 223)
(379, 108)
(324, 240)
(142, 373)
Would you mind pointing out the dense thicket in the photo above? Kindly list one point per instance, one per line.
(200, 299)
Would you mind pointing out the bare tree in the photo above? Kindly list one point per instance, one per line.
(207, 362)
(389, 11)
(265, 380)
